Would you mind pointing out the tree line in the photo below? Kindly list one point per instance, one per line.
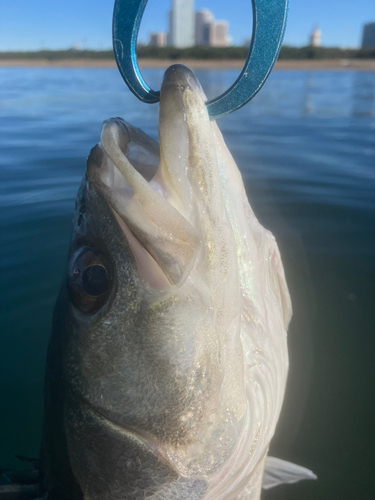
(209, 53)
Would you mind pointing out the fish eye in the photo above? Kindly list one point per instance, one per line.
(90, 280)
(95, 280)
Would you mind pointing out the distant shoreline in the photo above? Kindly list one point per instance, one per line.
(298, 64)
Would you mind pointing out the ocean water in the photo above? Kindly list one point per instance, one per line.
(306, 149)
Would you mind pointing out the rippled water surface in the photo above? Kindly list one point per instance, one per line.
(306, 149)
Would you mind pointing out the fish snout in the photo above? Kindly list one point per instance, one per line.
(179, 77)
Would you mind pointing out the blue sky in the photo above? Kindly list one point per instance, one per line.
(55, 24)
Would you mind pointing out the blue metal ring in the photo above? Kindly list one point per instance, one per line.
(269, 21)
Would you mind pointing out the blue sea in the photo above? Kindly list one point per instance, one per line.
(306, 149)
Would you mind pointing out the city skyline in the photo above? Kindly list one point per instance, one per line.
(188, 28)
(41, 24)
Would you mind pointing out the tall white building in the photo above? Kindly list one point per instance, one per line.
(316, 37)
(181, 24)
(202, 18)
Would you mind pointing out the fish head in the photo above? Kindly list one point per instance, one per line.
(173, 335)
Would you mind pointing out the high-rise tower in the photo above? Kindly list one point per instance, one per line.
(181, 24)
(210, 32)
(202, 19)
(368, 37)
(218, 34)
(316, 37)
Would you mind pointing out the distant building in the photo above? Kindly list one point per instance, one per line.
(181, 24)
(218, 34)
(316, 37)
(209, 32)
(202, 18)
(158, 39)
(368, 36)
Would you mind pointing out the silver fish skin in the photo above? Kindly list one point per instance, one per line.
(168, 358)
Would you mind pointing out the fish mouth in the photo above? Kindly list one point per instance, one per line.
(148, 189)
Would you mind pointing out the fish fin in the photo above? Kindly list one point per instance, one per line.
(277, 471)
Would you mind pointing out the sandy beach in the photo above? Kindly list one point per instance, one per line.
(328, 64)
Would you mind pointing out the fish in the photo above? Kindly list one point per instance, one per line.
(168, 359)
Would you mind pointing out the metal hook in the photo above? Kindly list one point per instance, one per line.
(269, 21)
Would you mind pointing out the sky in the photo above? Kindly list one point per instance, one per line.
(60, 24)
